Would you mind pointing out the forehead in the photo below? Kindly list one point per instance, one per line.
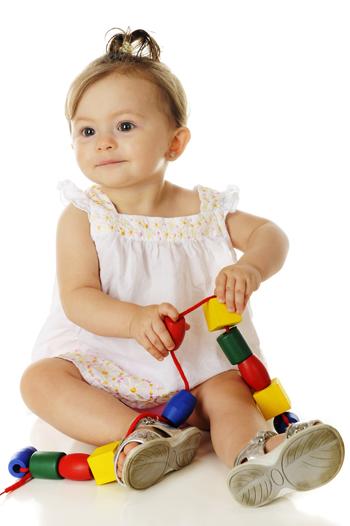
(116, 93)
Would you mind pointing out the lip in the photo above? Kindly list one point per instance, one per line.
(110, 161)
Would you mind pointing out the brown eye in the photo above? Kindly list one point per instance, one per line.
(87, 132)
(126, 126)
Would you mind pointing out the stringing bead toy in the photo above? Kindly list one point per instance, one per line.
(44, 464)
(254, 373)
(75, 466)
(20, 461)
(101, 462)
(268, 394)
(272, 400)
(218, 316)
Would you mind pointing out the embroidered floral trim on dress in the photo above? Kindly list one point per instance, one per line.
(104, 217)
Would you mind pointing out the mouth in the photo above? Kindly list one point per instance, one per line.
(107, 163)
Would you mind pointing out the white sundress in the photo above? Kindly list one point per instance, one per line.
(149, 260)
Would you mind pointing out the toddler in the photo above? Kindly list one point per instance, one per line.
(134, 248)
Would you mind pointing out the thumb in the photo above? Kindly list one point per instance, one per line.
(168, 310)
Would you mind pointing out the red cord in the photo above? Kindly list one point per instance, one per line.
(23, 480)
(179, 368)
(176, 361)
(133, 425)
(285, 419)
(139, 417)
(190, 309)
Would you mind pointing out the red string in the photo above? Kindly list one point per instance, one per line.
(143, 415)
(179, 368)
(190, 309)
(23, 480)
(285, 419)
(133, 425)
(176, 362)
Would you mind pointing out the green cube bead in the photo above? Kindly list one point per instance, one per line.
(234, 346)
(43, 464)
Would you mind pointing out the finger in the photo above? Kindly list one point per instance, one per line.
(246, 299)
(221, 287)
(166, 309)
(156, 341)
(239, 294)
(152, 349)
(163, 335)
(230, 292)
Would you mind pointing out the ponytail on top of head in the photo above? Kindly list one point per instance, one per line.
(132, 53)
(132, 45)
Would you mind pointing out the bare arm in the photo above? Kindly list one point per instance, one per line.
(264, 244)
(83, 301)
(99, 313)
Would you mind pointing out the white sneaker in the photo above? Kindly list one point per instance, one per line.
(311, 455)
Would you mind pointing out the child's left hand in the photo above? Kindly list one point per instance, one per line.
(235, 284)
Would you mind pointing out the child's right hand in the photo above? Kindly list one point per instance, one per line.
(148, 329)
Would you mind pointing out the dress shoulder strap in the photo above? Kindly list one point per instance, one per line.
(72, 194)
(215, 201)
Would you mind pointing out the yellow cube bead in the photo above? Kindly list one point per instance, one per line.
(273, 400)
(101, 462)
(218, 316)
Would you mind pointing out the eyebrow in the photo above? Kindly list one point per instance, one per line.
(115, 114)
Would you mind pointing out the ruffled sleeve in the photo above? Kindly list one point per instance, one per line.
(230, 198)
(70, 193)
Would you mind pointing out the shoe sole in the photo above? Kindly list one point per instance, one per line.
(305, 461)
(148, 463)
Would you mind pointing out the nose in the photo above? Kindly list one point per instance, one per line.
(106, 142)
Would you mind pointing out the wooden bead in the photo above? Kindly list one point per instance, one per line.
(101, 462)
(217, 315)
(273, 400)
(44, 464)
(177, 330)
(254, 373)
(234, 346)
(75, 467)
(179, 407)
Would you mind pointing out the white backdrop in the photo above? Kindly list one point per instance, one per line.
(268, 85)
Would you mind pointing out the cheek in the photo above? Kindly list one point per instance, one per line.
(81, 154)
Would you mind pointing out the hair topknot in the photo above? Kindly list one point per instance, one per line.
(132, 46)
(132, 53)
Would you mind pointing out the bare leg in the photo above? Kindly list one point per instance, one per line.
(226, 408)
(54, 389)
(226, 404)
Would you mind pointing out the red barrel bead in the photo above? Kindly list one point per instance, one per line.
(75, 467)
(254, 373)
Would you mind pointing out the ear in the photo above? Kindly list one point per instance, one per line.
(178, 143)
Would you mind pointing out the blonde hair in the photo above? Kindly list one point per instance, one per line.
(125, 55)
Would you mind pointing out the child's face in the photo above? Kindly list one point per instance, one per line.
(119, 119)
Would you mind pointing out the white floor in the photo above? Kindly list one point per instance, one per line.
(195, 495)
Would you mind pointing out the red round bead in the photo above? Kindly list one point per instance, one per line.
(75, 467)
(177, 330)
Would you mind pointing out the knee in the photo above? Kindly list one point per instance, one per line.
(221, 392)
(36, 380)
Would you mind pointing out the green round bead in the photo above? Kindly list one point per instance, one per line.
(234, 346)
(43, 464)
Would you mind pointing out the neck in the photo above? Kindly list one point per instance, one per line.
(144, 199)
